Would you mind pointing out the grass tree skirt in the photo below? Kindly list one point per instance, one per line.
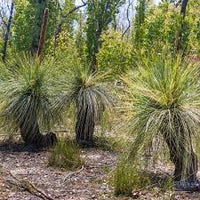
(85, 125)
(31, 134)
(185, 162)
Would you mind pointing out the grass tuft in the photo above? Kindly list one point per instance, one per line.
(65, 155)
(128, 177)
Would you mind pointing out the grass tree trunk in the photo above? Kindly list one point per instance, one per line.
(85, 124)
(29, 127)
(185, 162)
(31, 134)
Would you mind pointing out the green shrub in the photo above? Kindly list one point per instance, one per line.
(162, 24)
(116, 54)
(65, 155)
(128, 177)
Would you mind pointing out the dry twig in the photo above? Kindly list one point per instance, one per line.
(73, 173)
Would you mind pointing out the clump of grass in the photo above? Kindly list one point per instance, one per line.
(128, 177)
(65, 155)
(168, 185)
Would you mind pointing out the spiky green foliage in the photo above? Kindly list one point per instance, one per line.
(27, 90)
(165, 102)
(89, 93)
(65, 155)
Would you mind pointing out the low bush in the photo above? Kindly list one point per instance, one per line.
(128, 177)
(65, 155)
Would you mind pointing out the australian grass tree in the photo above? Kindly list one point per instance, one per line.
(27, 91)
(91, 97)
(165, 101)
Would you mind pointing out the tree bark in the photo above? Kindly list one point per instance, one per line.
(179, 37)
(31, 134)
(7, 33)
(179, 155)
(184, 159)
(85, 124)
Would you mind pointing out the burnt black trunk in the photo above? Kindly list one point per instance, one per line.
(85, 125)
(185, 162)
(31, 134)
(183, 7)
(179, 155)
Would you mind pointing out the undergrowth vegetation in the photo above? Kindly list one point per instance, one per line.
(128, 177)
(65, 155)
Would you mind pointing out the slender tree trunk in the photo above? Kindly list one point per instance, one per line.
(7, 33)
(183, 7)
(57, 35)
(179, 36)
(85, 124)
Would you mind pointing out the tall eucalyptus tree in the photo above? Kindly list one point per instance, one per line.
(100, 15)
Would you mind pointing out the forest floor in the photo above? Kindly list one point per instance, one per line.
(24, 175)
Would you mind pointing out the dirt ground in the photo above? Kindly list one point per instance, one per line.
(89, 182)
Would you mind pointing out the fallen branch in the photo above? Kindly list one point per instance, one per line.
(28, 186)
(73, 173)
